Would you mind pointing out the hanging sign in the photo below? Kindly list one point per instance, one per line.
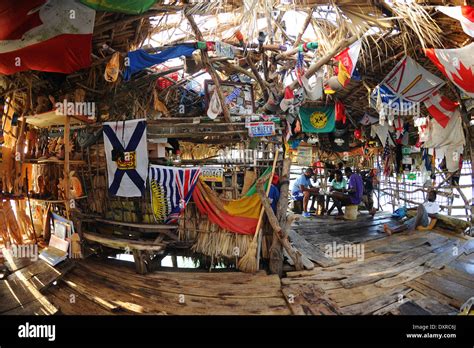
(411, 176)
(224, 50)
(305, 156)
(407, 160)
(406, 150)
(261, 129)
(212, 174)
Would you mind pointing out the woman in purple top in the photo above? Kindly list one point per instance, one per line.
(353, 195)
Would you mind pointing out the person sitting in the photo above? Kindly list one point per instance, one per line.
(368, 179)
(425, 214)
(352, 195)
(304, 190)
(337, 185)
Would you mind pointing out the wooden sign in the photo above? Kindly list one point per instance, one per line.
(212, 174)
(305, 156)
(261, 129)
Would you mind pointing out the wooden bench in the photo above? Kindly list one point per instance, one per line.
(141, 250)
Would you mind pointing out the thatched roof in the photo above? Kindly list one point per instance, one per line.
(394, 29)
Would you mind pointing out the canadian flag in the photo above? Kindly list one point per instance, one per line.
(457, 65)
(464, 14)
(441, 108)
(45, 35)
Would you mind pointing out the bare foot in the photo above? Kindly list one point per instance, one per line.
(387, 230)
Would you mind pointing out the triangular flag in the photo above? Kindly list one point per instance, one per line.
(288, 98)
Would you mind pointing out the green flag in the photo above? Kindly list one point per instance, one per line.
(123, 6)
(318, 120)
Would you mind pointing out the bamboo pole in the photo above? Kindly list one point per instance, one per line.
(211, 70)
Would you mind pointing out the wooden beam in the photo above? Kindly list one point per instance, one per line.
(305, 25)
(211, 70)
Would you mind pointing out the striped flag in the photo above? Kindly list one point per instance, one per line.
(171, 188)
(347, 62)
(441, 108)
(45, 35)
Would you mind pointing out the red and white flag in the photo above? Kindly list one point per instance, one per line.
(347, 62)
(464, 14)
(441, 108)
(45, 35)
(457, 65)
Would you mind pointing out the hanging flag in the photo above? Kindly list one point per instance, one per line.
(347, 62)
(288, 99)
(340, 112)
(464, 14)
(441, 108)
(54, 35)
(457, 65)
(406, 85)
(171, 188)
(140, 59)
(300, 67)
(122, 6)
(386, 157)
(318, 119)
(127, 157)
(410, 81)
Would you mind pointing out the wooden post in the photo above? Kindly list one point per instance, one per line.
(305, 25)
(67, 149)
(276, 250)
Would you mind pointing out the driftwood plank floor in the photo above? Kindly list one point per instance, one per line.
(102, 287)
(407, 273)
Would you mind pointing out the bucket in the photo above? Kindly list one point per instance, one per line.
(351, 212)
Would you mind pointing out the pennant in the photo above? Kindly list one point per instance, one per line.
(127, 157)
(347, 62)
(367, 120)
(441, 108)
(457, 65)
(464, 14)
(45, 35)
(122, 6)
(171, 188)
(340, 112)
(288, 99)
(318, 119)
(140, 59)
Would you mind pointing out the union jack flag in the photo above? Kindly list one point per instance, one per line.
(171, 188)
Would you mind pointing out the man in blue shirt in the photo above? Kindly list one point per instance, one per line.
(304, 190)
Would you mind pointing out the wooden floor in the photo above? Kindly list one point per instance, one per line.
(111, 287)
(407, 273)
